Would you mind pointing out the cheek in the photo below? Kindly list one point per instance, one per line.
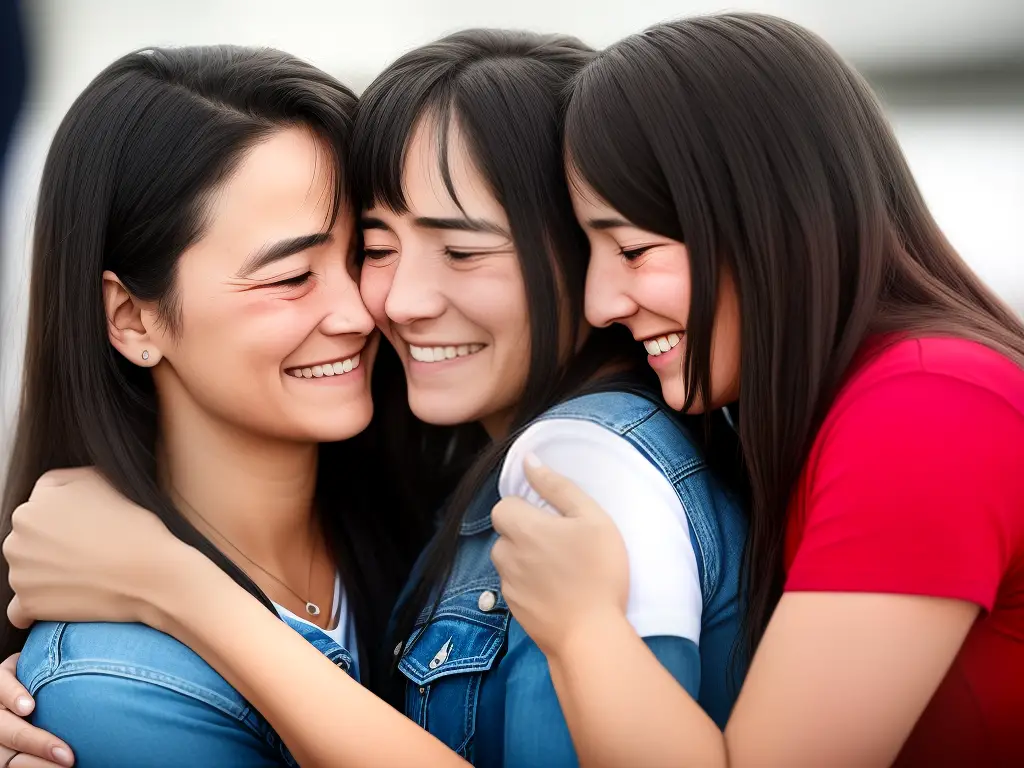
(665, 293)
(374, 287)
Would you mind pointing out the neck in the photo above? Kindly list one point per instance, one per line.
(255, 491)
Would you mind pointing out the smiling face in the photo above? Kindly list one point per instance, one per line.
(446, 288)
(642, 280)
(272, 337)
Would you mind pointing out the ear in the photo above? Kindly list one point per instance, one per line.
(125, 326)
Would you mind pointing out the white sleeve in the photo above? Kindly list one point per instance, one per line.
(664, 587)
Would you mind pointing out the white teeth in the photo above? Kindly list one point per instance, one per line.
(437, 354)
(661, 344)
(325, 369)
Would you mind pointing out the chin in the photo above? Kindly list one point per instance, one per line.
(441, 412)
(341, 426)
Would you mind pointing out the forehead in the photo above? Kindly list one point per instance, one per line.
(423, 183)
(284, 187)
(586, 202)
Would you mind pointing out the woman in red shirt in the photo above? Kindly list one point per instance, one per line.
(754, 224)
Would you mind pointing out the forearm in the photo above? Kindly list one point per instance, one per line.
(301, 693)
(633, 712)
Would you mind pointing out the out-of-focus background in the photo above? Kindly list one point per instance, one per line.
(950, 73)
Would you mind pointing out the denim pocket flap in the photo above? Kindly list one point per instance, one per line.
(460, 638)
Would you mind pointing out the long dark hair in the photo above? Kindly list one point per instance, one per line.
(125, 188)
(747, 138)
(507, 92)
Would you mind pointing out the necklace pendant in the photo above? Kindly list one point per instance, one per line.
(312, 609)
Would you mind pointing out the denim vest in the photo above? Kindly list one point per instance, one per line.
(126, 694)
(453, 659)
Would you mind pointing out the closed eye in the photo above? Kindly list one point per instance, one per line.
(378, 256)
(290, 281)
(632, 254)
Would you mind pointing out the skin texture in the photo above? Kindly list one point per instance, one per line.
(437, 276)
(641, 280)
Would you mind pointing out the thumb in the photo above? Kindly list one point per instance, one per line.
(557, 490)
(17, 615)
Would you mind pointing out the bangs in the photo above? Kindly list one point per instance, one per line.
(386, 122)
(608, 149)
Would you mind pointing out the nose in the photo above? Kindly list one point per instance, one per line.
(607, 297)
(415, 292)
(344, 311)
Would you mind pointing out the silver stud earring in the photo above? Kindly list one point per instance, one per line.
(145, 354)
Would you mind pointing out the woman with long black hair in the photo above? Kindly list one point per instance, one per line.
(742, 190)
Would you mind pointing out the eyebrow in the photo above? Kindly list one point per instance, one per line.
(282, 249)
(603, 224)
(461, 225)
(371, 222)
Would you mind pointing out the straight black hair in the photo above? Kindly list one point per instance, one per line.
(748, 138)
(506, 91)
(125, 188)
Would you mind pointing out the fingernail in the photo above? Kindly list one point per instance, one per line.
(531, 460)
(61, 755)
(24, 704)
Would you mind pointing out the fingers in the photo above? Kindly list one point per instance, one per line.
(13, 694)
(18, 736)
(512, 516)
(58, 477)
(557, 490)
(17, 614)
(28, 761)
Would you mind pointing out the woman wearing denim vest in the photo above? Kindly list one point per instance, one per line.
(474, 266)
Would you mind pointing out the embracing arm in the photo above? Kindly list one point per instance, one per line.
(664, 603)
(301, 693)
(905, 542)
(886, 653)
(78, 551)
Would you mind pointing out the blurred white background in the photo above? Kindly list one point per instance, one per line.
(951, 75)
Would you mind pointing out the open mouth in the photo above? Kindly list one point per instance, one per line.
(659, 345)
(333, 368)
(441, 353)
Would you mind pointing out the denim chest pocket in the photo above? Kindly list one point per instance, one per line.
(446, 659)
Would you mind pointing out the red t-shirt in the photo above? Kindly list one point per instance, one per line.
(915, 486)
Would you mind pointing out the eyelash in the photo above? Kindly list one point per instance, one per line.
(375, 254)
(458, 255)
(291, 281)
(632, 254)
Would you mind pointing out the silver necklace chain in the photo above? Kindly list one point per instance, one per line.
(311, 608)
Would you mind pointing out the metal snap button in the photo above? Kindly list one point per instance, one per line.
(487, 601)
(422, 690)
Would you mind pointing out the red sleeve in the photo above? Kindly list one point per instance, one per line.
(917, 488)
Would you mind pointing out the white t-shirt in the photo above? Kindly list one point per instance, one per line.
(664, 588)
(342, 623)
